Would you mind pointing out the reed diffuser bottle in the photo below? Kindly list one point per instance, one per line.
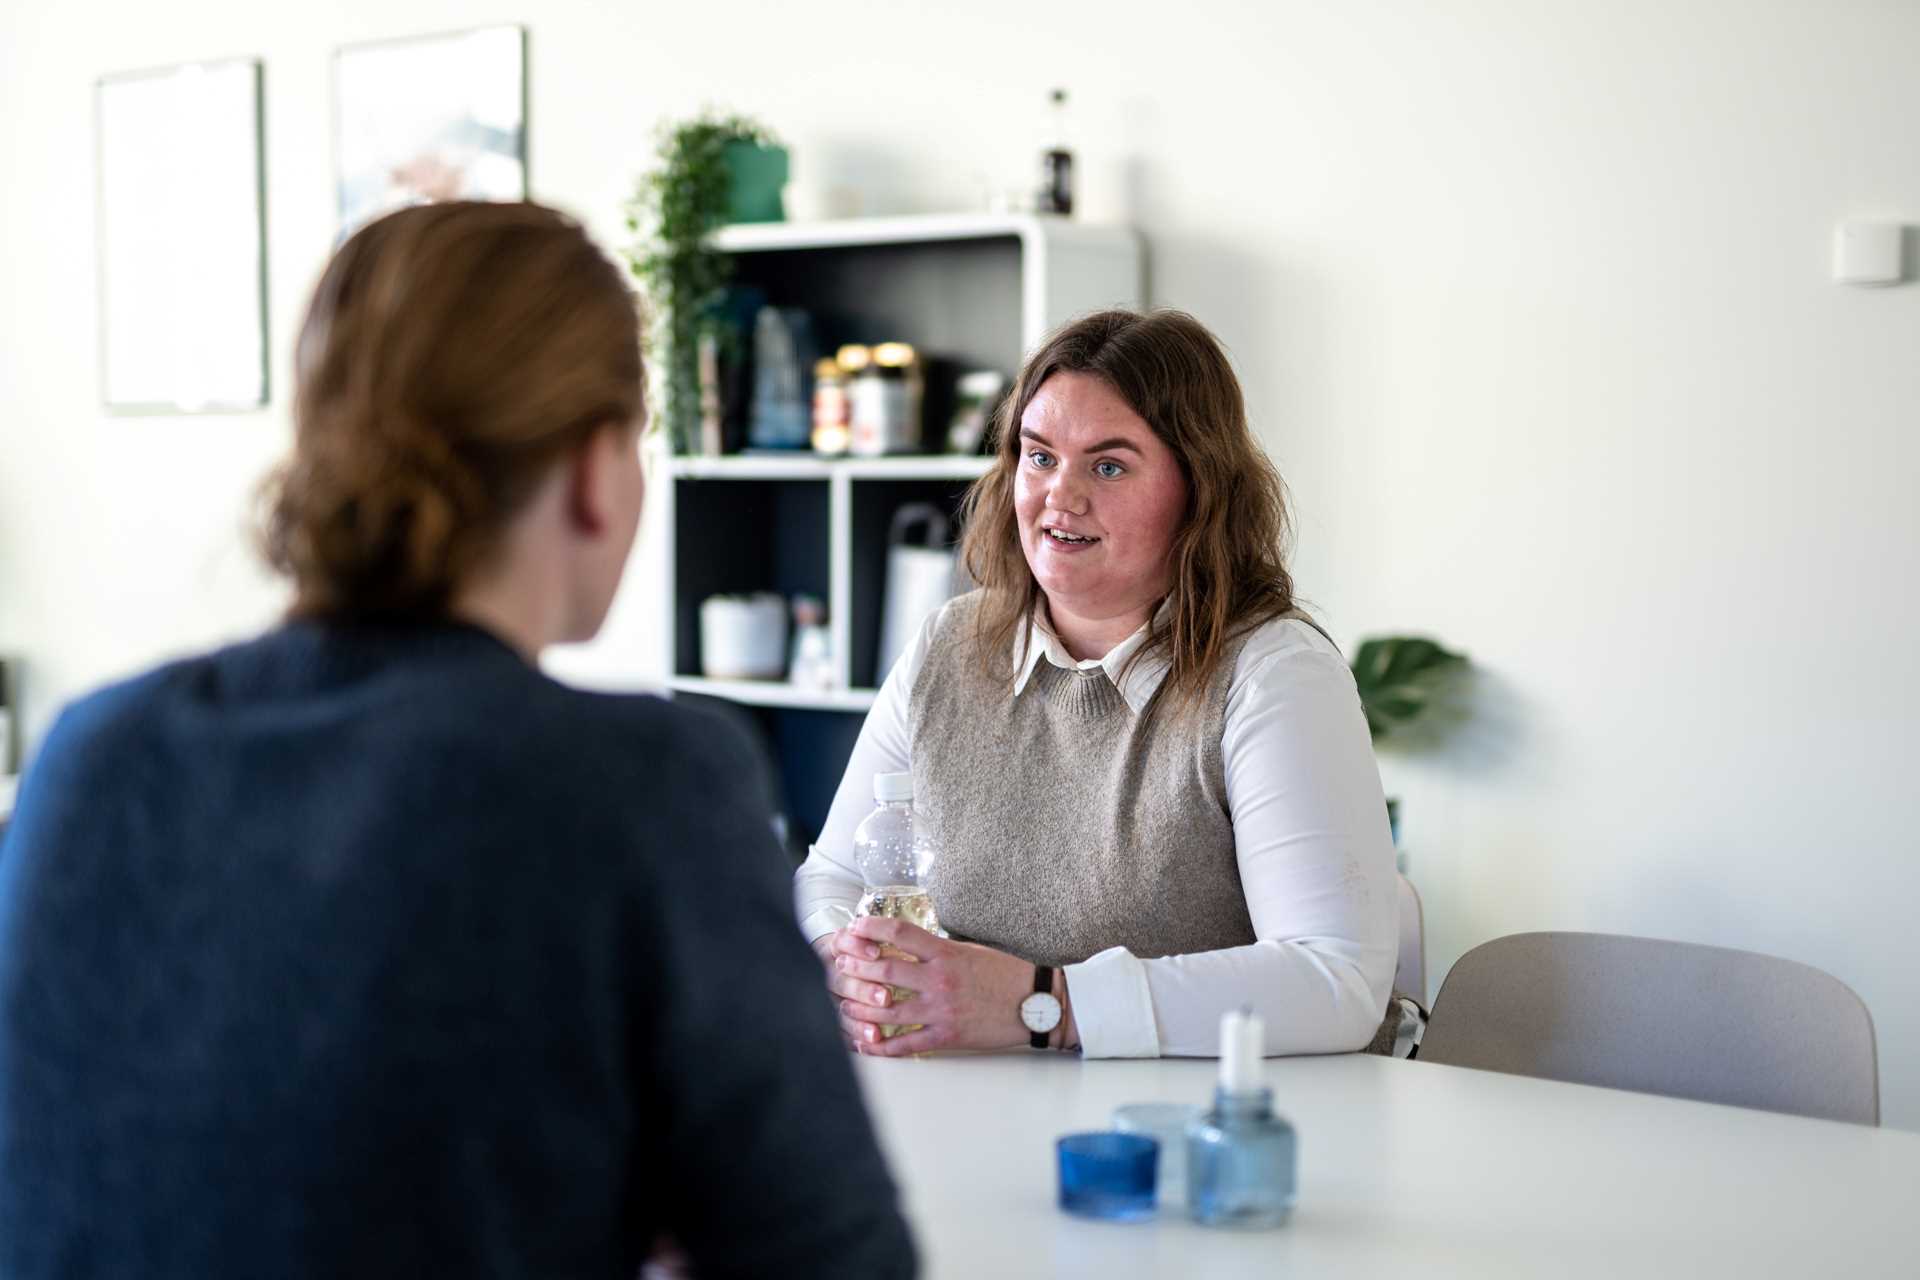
(1241, 1157)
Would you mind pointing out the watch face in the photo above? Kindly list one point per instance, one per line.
(1040, 1012)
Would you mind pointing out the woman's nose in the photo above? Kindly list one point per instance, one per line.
(1066, 494)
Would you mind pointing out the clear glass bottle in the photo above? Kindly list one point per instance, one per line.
(896, 857)
(1056, 162)
(779, 416)
(1241, 1157)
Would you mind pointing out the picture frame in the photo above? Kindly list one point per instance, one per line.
(181, 224)
(431, 117)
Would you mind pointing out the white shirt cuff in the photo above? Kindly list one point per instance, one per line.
(819, 923)
(1112, 1006)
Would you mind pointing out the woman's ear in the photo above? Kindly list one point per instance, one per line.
(590, 482)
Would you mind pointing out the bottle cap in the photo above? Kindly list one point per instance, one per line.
(892, 788)
(1242, 1045)
(853, 357)
(827, 367)
(893, 355)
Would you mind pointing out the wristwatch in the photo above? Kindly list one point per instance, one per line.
(1040, 1012)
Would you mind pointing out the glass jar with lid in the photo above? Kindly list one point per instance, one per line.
(831, 407)
(885, 402)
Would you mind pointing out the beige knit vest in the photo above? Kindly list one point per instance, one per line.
(1065, 823)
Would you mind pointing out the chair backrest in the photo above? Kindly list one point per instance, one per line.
(1410, 974)
(1670, 1018)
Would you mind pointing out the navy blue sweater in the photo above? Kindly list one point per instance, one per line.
(373, 952)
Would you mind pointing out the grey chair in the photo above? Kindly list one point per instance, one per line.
(1410, 973)
(1670, 1018)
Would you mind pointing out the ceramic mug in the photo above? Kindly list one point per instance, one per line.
(743, 637)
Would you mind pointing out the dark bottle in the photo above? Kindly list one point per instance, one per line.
(1056, 162)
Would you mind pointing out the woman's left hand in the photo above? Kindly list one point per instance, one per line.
(965, 996)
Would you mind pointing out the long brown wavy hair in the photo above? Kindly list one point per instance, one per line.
(451, 354)
(1228, 560)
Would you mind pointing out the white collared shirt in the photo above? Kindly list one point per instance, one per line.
(1136, 686)
(1310, 836)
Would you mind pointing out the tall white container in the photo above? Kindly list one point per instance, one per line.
(920, 578)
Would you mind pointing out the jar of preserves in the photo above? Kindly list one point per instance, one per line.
(831, 408)
(886, 400)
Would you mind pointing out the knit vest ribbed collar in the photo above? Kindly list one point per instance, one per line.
(1086, 694)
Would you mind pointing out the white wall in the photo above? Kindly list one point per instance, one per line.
(1529, 296)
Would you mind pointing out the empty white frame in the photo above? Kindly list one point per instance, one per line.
(183, 326)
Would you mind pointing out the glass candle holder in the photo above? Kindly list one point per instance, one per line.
(1109, 1176)
(1166, 1123)
(1241, 1163)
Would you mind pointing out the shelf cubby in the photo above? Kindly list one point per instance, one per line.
(734, 537)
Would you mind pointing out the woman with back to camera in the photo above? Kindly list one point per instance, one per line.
(1147, 772)
(365, 949)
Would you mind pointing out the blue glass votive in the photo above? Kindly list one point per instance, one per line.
(1108, 1175)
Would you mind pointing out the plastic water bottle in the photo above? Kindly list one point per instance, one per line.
(895, 856)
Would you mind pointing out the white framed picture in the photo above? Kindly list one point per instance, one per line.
(441, 117)
(182, 239)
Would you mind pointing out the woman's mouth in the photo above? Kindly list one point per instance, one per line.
(1065, 541)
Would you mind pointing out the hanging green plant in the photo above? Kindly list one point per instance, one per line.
(674, 208)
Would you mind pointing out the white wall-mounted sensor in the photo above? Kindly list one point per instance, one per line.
(1866, 253)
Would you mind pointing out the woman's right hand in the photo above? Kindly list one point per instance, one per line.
(830, 947)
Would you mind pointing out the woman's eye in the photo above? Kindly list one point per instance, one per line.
(1108, 469)
(1040, 458)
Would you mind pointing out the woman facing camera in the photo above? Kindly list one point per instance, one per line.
(362, 948)
(1147, 772)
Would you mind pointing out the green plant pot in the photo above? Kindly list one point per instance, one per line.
(755, 175)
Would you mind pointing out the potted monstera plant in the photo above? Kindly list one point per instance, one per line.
(1400, 679)
(713, 169)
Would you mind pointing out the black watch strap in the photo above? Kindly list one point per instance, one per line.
(1042, 986)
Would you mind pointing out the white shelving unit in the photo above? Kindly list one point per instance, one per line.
(1067, 267)
(767, 466)
(846, 483)
(973, 290)
(775, 693)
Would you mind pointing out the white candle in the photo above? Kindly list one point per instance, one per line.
(1242, 1042)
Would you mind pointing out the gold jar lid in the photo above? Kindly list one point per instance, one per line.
(893, 355)
(827, 367)
(853, 357)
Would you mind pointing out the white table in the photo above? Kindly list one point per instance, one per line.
(1406, 1169)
